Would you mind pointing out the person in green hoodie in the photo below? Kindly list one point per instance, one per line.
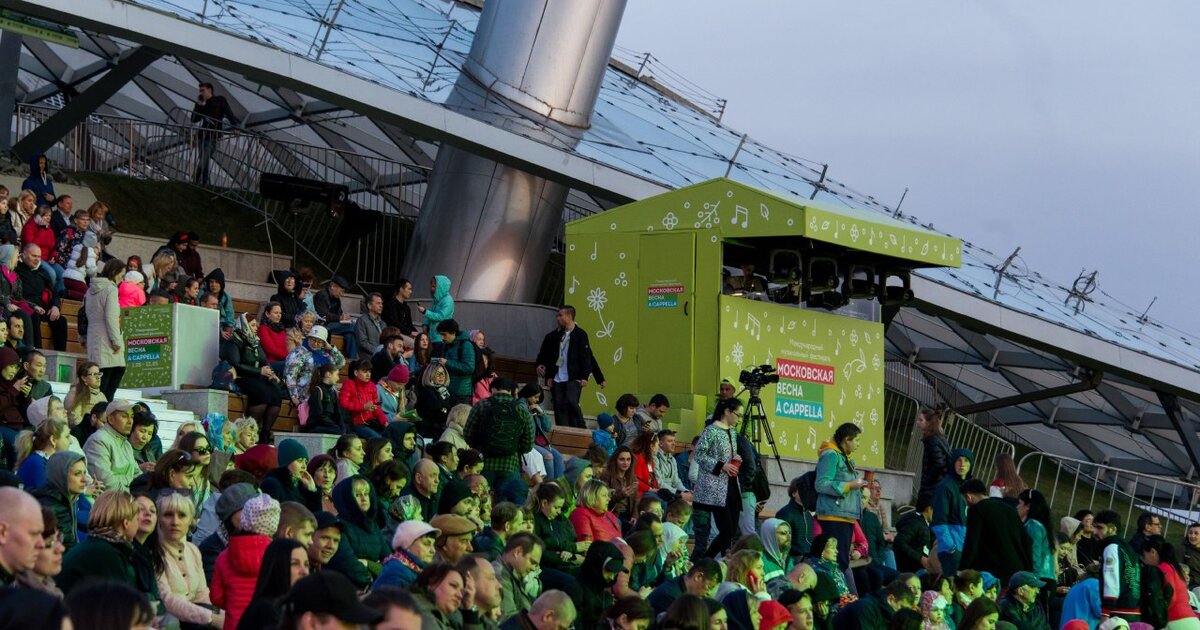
(442, 306)
(949, 521)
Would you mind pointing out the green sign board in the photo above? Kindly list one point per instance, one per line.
(148, 346)
(830, 371)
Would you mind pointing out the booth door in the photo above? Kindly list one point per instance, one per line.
(666, 274)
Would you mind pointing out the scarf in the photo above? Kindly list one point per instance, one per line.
(403, 557)
(109, 534)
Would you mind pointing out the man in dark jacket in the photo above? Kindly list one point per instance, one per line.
(389, 356)
(328, 304)
(876, 609)
(996, 539)
(914, 538)
(38, 290)
(396, 312)
(701, 580)
(800, 519)
(211, 112)
(950, 511)
(1019, 605)
(565, 360)
(550, 611)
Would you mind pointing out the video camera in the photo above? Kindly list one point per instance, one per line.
(758, 377)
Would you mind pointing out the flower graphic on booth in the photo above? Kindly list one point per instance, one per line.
(596, 299)
(670, 221)
(737, 353)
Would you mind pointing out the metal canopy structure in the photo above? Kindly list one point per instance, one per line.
(370, 77)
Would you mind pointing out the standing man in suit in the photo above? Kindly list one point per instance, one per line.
(566, 361)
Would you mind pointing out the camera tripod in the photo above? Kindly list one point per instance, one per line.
(755, 426)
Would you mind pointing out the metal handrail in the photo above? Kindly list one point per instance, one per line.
(171, 151)
(1133, 489)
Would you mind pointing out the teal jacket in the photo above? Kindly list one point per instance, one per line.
(834, 473)
(460, 362)
(442, 307)
(949, 521)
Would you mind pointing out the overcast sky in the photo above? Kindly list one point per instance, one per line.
(1069, 128)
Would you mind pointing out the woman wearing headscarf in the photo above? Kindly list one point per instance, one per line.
(674, 552)
(255, 378)
(288, 298)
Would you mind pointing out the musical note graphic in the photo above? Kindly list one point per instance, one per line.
(837, 349)
(574, 283)
(812, 437)
(753, 326)
(740, 211)
(842, 397)
(736, 315)
(595, 251)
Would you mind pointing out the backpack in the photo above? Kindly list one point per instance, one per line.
(808, 489)
(761, 486)
(505, 427)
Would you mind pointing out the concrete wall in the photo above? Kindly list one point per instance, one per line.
(81, 195)
(238, 264)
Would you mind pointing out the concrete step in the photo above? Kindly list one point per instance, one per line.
(169, 420)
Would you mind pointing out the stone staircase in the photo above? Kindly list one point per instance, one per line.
(169, 418)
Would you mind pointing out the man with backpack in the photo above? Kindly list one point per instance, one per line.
(502, 429)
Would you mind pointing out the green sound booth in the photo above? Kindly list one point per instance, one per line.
(649, 284)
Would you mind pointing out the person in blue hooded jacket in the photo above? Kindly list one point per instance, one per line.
(214, 283)
(39, 180)
(442, 306)
(949, 522)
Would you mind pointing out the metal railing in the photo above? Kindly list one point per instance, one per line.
(907, 390)
(173, 151)
(1082, 485)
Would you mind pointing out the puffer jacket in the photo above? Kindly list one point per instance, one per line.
(236, 574)
(935, 463)
(355, 396)
(130, 294)
(105, 344)
(835, 499)
(949, 520)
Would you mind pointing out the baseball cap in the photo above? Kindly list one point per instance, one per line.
(329, 593)
(119, 404)
(326, 519)
(1024, 578)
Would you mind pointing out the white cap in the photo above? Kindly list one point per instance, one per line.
(319, 332)
(409, 531)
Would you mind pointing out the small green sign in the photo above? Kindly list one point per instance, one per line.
(148, 354)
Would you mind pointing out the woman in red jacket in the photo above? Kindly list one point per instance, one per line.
(645, 447)
(38, 231)
(272, 335)
(591, 519)
(360, 398)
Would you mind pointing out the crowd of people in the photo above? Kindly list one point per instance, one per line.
(443, 502)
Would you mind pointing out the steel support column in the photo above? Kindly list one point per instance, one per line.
(79, 107)
(1185, 427)
(10, 65)
(1091, 382)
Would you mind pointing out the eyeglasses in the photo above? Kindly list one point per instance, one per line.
(203, 450)
(91, 375)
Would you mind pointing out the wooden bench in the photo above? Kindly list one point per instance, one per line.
(571, 441)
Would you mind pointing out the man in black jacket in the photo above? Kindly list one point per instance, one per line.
(914, 538)
(38, 290)
(996, 538)
(876, 609)
(396, 312)
(565, 360)
(211, 112)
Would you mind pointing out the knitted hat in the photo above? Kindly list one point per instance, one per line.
(233, 499)
(8, 356)
(260, 515)
(453, 492)
(773, 614)
(257, 460)
(605, 421)
(288, 451)
(931, 601)
(134, 276)
(989, 580)
(408, 532)
(37, 411)
(398, 374)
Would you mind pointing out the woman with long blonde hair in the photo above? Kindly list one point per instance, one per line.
(26, 206)
(84, 393)
(34, 449)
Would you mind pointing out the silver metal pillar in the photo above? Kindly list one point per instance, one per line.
(486, 226)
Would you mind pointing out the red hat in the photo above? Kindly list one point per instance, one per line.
(257, 460)
(773, 614)
(398, 374)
